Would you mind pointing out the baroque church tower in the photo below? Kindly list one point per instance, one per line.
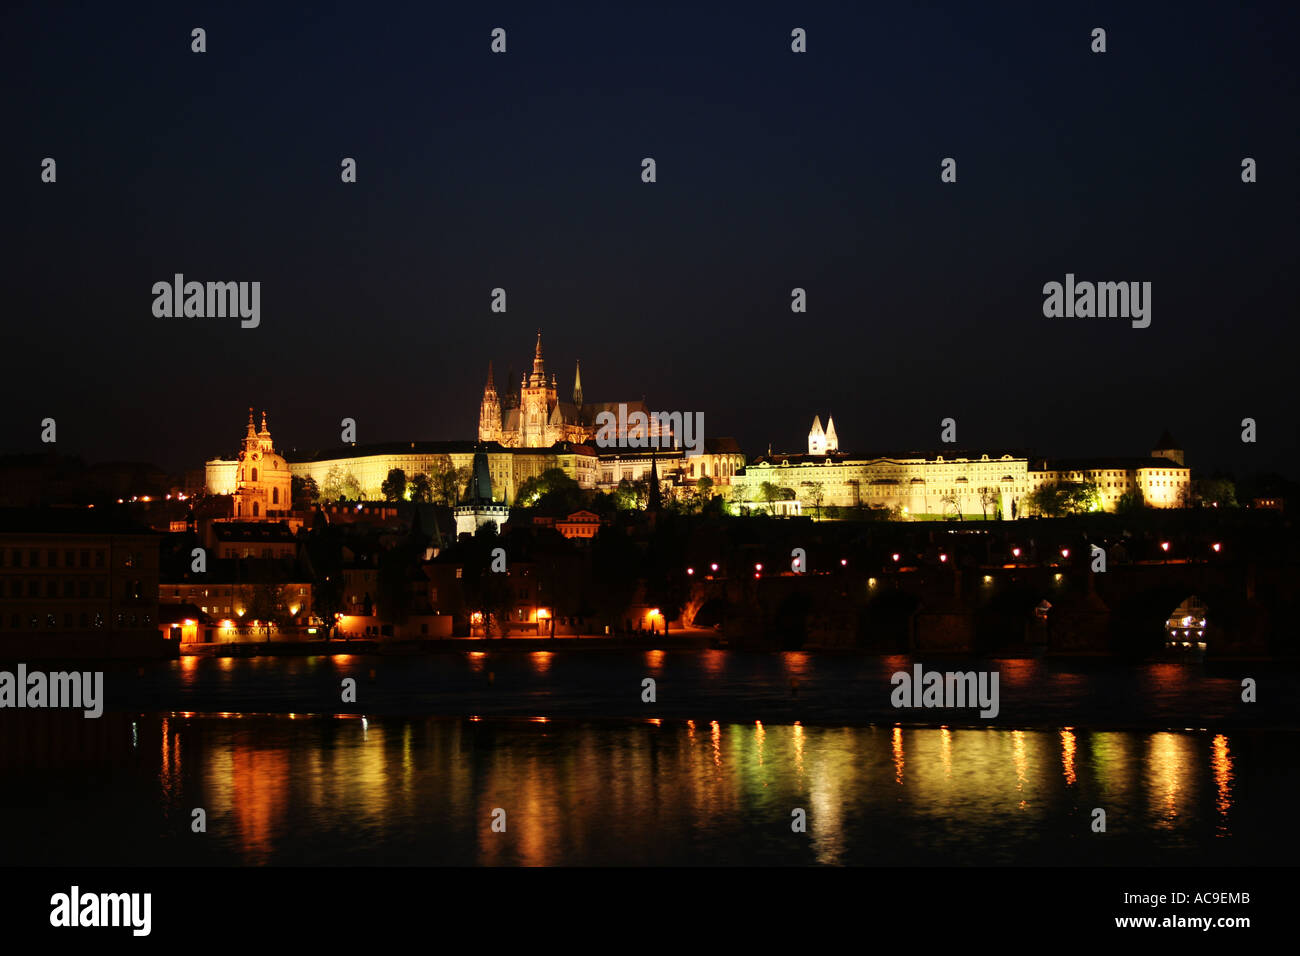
(263, 483)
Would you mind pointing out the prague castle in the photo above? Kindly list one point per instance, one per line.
(994, 485)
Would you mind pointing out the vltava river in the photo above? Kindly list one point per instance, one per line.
(315, 790)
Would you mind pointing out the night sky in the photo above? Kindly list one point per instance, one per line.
(775, 170)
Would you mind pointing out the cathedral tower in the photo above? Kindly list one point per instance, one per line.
(489, 415)
(536, 399)
(816, 437)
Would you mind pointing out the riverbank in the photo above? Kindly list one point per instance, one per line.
(692, 639)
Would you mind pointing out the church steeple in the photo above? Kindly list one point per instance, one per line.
(264, 436)
(489, 414)
(577, 384)
(816, 437)
(539, 367)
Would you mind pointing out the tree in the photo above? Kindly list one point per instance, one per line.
(1057, 498)
(989, 498)
(394, 486)
(340, 484)
(704, 488)
(303, 491)
(446, 481)
(814, 493)
(951, 503)
(421, 487)
(1209, 493)
(1130, 501)
(633, 495)
(552, 490)
(770, 494)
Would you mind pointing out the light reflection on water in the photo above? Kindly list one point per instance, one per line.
(423, 791)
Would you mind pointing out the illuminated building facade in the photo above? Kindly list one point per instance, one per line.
(1163, 478)
(913, 485)
(536, 418)
(952, 483)
(369, 465)
(262, 480)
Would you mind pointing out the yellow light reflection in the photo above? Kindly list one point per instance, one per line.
(1221, 764)
(1165, 769)
(1068, 747)
(1022, 763)
(897, 743)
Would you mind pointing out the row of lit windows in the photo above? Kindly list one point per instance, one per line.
(222, 592)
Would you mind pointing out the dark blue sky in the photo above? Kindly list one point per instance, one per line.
(775, 170)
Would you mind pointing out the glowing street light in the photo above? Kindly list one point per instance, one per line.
(894, 555)
(1216, 546)
(943, 558)
(690, 570)
(1015, 552)
(713, 566)
(1164, 545)
(1065, 552)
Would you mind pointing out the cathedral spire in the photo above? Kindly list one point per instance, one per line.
(264, 432)
(577, 383)
(252, 429)
(539, 369)
(489, 413)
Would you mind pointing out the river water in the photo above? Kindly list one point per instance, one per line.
(574, 768)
